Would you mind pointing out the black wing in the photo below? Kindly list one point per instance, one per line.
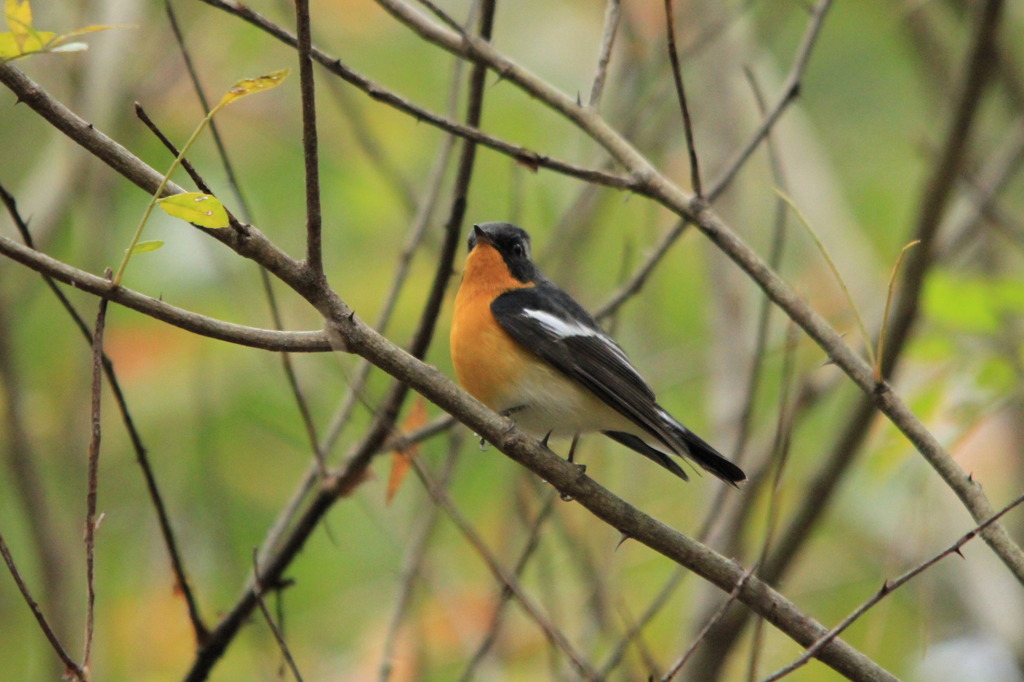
(549, 322)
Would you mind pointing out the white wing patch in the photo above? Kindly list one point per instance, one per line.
(560, 327)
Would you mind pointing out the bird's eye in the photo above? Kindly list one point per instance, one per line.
(517, 249)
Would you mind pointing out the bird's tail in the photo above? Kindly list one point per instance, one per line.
(697, 449)
(689, 444)
(684, 443)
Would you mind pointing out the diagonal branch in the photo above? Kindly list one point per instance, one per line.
(790, 91)
(527, 157)
(659, 188)
(72, 668)
(888, 588)
(267, 339)
(141, 456)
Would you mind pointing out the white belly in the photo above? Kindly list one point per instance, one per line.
(545, 401)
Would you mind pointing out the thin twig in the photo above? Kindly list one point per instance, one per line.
(448, 20)
(141, 114)
(677, 79)
(268, 339)
(141, 456)
(823, 486)
(612, 13)
(507, 578)
(851, 304)
(745, 420)
(888, 588)
(379, 93)
(370, 144)
(218, 140)
(888, 304)
(636, 282)
(91, 521)
(711, 622)
(780, 456)
(274, 629)
(506, 594)
(305, 413)
(774, 261)
(310, 148)
(71, 667)
(790, 91)
(412, 565)
(659, 601)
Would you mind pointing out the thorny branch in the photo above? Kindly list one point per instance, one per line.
(348, 333)
(662, 190)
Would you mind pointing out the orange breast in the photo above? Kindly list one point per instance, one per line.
(488, 362)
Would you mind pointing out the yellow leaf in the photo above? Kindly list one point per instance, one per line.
(146, 247)
(18, 45)
(9, 48)
(19, 16)
(197, 208)
(248, 86)
(402, 459)
(92, 29)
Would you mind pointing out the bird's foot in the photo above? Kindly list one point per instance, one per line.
(572, 448)
(508, 415)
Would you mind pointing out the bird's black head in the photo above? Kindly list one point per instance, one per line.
(513, 243)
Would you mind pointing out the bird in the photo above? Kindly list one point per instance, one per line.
(526, 349)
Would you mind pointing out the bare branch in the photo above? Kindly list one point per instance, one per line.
(508, 579)
(654, 185)
(310, 150)
(269, 619)
(91, 521)
(267, 339)
(635, 283)
(790, 91)
(506, 594)
(702, 635)
(177, 564)
(888, 588)
(612, 13)
(412, 564)
(677, 79)
(527, 157)
(72, 667)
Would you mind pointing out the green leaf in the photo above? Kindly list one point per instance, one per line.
(146, 247)
(248, 86)
(200, 209)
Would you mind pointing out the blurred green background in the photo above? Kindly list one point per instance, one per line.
(223, 431)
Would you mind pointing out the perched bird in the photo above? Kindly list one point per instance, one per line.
(525, 348)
